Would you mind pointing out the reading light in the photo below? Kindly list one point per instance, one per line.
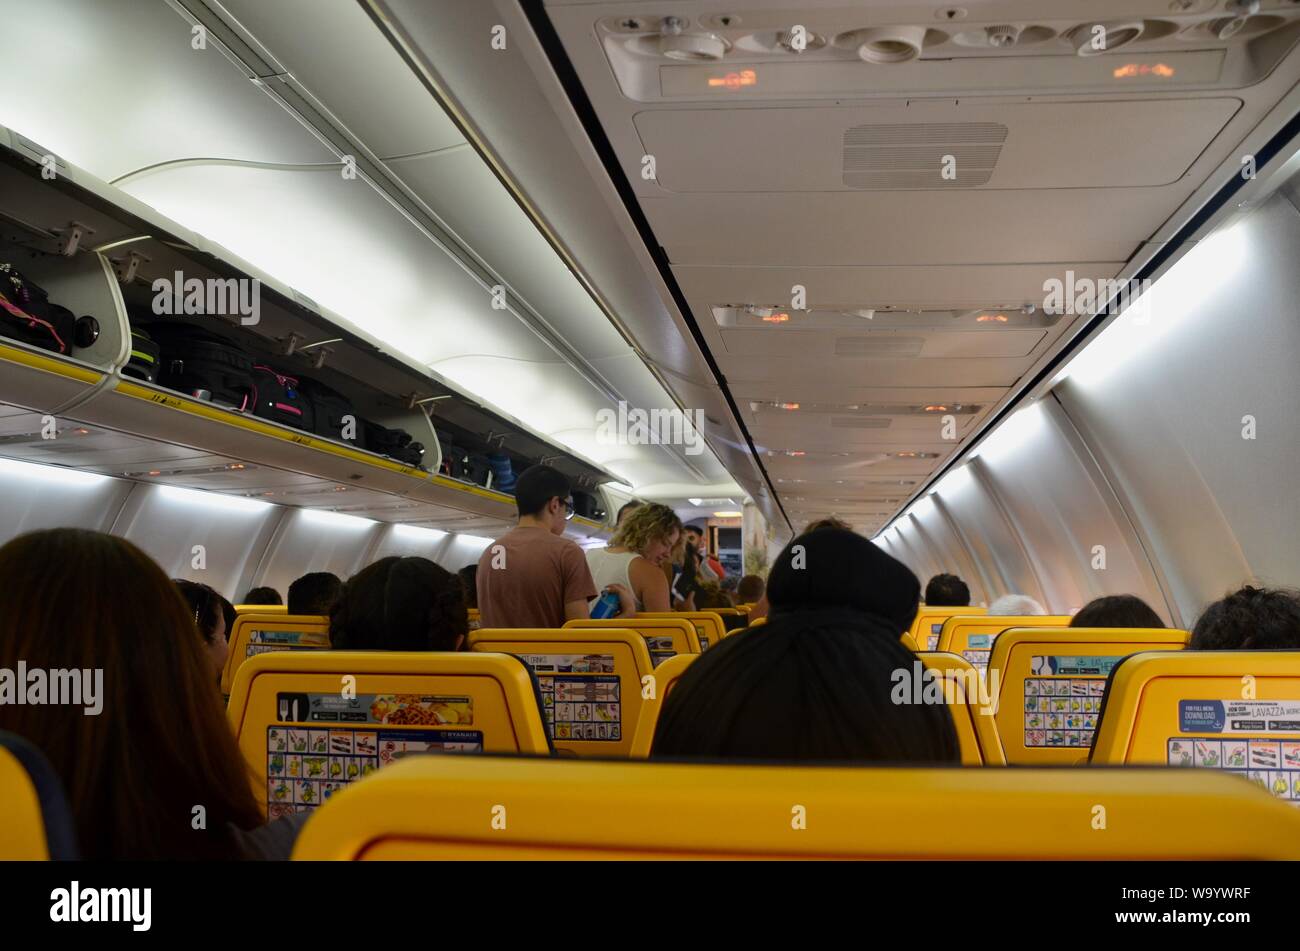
(991, 319)
(791, 406)
(676, 43)
(727, 514)
(936, 409)
(776, 318)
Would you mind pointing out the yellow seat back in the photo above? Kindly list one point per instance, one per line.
(486, 807)
(591, 680)
(733, 619)
(310, 722)
(666, 676)
(261, 609)
(928, 623)
(968, 701)
(261, 633)
(906, 640)
(1237, 711)
(972, 636)
(664, 636)
(1048, 685)
(709, 627)
(36, 823)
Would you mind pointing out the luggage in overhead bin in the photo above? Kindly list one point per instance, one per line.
(453, 458)
(587, 506)
(27, 315)
(143, 363)
(331, 412)
(276, 397)
(477, 469)
(394, 443)
(203, 364)
(503, 472)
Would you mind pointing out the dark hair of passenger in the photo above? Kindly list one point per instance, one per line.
(537, 485)
(1250, 619)
(624, 509)
(1116, 610)
(469, 582)
(314, 593)
(262, 596)
(947, 591)
(228, 610)
(205, 606)
(709, 595)
(81, 600)
(750, 589)
(400, 604)
(831, 522)
(807, 686)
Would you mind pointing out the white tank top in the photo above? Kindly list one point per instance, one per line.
(610, 567)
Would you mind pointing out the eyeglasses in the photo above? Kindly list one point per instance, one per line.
(568, 509)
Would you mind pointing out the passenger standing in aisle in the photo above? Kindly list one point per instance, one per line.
(533, 576)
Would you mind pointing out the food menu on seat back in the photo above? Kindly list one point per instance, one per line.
(314, 751)
(580, 695)
(660, 647)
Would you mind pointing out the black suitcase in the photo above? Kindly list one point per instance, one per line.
(276, 397)
(143, 363)
(26, 314)
(394, 443)
(453, 460)
(332, 412)
(203, 364)
(477, 469)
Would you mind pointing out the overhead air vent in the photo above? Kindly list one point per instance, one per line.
(879, 346)
(676, 42)
(886, 45)
(922, 154)
(1101, 37)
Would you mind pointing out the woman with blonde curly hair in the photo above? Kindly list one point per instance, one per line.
(636, 554)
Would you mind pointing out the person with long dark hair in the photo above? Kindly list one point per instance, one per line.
(400, 604)
(160, 747)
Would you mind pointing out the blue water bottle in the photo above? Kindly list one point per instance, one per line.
(606, 606)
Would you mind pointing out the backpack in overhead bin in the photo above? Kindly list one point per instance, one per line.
(203, 364)
(276, 397)
(143, 362)
(27, 315)
(329, 409)
(477, 469)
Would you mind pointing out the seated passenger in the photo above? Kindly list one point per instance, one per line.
(400, 604)
(533, 576)
(710, 596)
(750, 589)
(156, 742)
(947, 591)
(206, 607)
(1116, 610)
(315, 593)
(262, 596)
(1011, 605)
(1250, 619)
(469, 583)
(817, 681)
(634, 559)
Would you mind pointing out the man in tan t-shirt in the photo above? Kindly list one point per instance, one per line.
(533, 576)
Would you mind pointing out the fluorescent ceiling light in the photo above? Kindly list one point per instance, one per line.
(696, 502)
(326, 517)
(474, 539)
(417, 531)
(1196, 286)
(211, 500)
(46, 475)
(1013, 436)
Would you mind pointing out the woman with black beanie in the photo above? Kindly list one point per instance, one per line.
(817, 681)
